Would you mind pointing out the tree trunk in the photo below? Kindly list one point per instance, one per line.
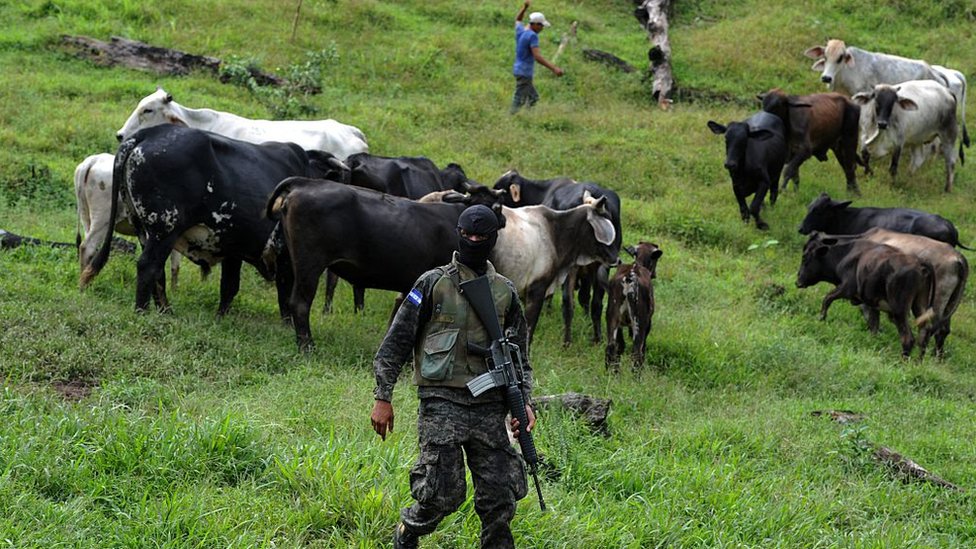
(653, 16)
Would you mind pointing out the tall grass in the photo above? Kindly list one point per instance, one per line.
(187, 430)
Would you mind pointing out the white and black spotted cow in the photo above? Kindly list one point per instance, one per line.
(204, 195)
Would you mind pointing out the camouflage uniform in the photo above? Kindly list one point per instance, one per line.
(450, 420)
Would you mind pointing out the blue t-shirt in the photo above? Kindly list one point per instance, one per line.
(525, 40)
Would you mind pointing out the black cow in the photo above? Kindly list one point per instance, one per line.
(204, 195)
(755, 151)
(631, 304)
(408, 176)
(370, 239)
(817, 123)
(563, 193)
(834, 217)
(872, 274)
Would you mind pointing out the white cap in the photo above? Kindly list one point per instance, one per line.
(537, 17)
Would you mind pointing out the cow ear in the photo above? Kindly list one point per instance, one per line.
(631, 250)
(842, 205)
(829, 241)
(602, 228)
(515, 191)
(818, 65)
(907, 104)
(656, 254)
(815, 52)
(716, 128)
(761, 135)
(862, 98)
(848, 59)
(497, 208)
(168, 98)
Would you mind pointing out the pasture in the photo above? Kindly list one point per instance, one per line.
(120, 429)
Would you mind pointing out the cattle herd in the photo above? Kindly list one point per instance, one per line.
(302, 199)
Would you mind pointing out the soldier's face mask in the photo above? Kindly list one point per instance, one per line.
(474, 249)
(477, 233)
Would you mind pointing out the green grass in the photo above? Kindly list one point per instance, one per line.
(193, 431)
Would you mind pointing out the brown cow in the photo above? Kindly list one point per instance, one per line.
(815, 124)
(631, 304)
(951, 273)
(876, 275)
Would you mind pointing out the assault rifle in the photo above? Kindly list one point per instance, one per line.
(501, 369)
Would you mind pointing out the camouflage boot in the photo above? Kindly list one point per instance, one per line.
(404, 539)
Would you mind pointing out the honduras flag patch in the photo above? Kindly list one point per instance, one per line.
(415, 297)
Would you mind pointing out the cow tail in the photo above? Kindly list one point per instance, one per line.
(275, 210)
(956, 298)
(118, 179)
(926, 317)
(81, 176)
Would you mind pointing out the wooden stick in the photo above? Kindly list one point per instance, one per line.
(571, 35)
(294, 25)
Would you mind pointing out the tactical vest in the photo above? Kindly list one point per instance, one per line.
(441, 357)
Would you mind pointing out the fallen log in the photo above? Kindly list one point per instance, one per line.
(653, 16)
(141, 56)
(898, 464)
(594, 410)
(608, 59)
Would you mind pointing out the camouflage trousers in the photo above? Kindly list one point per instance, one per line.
(437, 480)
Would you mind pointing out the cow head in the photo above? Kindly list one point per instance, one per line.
(599, 219)
(154, 109)
(646, 254)
(815, 265)
(885, 98)
(737, 135)
(510, 182)
(477, 194)
(830, 59)
(324, 165)
(821, 212)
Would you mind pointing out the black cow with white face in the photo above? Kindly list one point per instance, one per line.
(204, 195)
(838, 217)
(755, 151)
(370, 239)
(563, 193)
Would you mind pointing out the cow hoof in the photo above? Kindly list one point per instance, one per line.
(762, 226)
(306, 345)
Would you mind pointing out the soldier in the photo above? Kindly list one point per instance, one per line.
(435, 324)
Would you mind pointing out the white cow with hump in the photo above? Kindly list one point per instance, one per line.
(327, 135)
(93, 191)
(851, 70)
(909, 116)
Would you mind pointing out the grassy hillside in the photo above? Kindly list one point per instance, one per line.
(185, 430)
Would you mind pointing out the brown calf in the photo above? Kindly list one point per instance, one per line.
(631, 304)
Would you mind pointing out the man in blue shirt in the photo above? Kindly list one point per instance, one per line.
(526, 54)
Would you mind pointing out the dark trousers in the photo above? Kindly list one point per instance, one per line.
(448, 432)
(525, 93)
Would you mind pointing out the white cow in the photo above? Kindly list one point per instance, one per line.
(93, 191)
(911, 114)
(322, 135)
(539, 247)
(851, 70)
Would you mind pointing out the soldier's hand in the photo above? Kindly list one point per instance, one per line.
(530, 415)
(382, 418)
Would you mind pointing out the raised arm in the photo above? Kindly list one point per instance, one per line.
(521, 13)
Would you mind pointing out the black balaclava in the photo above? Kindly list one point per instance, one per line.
(478, 220)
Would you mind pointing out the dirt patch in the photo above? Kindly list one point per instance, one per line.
(73, 390)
